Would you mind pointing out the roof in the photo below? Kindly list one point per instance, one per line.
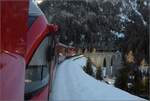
(61, 44)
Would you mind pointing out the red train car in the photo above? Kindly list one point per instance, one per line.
(61, 52)
(64, 51)
(26, 52)
(61, 49)
(71, 51)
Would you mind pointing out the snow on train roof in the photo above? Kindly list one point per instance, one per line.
(34, 10)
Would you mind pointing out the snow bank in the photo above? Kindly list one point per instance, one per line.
(73, 84)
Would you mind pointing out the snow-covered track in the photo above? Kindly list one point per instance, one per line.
(73, 84)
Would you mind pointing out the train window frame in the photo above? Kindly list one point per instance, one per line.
(32, 87)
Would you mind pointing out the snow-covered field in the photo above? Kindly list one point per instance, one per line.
(73, 84)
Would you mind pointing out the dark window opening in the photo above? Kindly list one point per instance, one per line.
(104, 62)
(37, 73)
(31, 19)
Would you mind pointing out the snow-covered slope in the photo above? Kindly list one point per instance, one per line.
(73, 84)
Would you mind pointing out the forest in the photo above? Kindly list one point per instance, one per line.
(106, 25)
(102, 24)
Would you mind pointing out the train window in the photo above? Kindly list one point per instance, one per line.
(37, 71)
(31, 19)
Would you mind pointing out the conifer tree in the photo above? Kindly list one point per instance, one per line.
(88, 69)
(99, 74)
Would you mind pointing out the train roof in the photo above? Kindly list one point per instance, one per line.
(61, 44)
(64, 45)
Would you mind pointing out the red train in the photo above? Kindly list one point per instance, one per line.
(27, 57)
(63, 51)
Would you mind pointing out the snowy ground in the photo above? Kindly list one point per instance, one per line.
(73, 84)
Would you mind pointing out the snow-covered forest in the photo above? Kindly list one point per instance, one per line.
(102, 24)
